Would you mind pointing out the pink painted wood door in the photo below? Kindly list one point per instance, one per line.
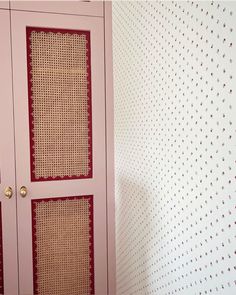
(8, 235)
(59, 105)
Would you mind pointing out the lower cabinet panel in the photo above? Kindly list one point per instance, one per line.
(63, 256)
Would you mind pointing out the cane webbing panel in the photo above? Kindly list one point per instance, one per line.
(59, 82)
(1, 254)
(63, 246)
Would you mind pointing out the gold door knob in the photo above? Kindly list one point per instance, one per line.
(8, 192)
(23, 191)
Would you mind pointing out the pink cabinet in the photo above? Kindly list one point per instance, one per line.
(57, 232)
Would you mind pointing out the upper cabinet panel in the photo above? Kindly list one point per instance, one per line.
(91, 8)
(4, 4)
(59, 77)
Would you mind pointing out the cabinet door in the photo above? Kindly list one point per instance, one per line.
(8, 236)
(58, 73)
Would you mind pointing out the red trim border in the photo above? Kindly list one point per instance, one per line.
(30, 94)
(1, 254)
(91, 240)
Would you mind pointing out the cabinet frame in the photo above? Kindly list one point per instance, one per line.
(110, 148)
(74, 7)
(5, 4)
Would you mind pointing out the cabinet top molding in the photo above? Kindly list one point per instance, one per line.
(74, 7)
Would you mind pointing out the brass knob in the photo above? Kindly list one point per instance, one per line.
(23, 191)
(8, 192)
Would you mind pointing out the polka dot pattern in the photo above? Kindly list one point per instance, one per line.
(175, 123)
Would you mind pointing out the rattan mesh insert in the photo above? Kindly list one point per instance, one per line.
(62, 243)
(60, 103)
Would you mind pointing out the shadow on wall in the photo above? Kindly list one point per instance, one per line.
(134, 227)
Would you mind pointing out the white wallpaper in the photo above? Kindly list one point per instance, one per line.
(175, 123)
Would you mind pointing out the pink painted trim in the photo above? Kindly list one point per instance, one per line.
(110, 149)
(91, 240)
(1, 254)
(30, 94)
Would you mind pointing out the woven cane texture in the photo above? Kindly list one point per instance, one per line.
(59, 79)
(62, 245)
